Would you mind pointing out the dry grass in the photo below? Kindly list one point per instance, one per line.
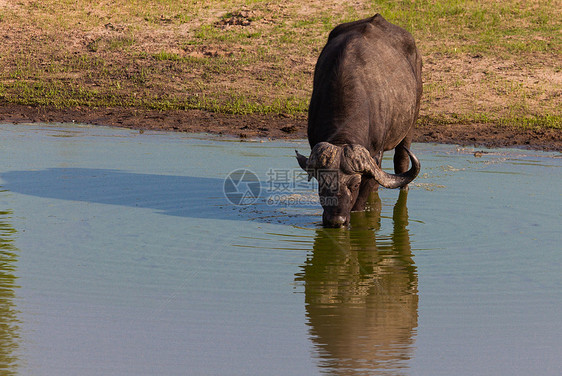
(495, 61)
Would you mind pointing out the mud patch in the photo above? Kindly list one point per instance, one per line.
(272, 126)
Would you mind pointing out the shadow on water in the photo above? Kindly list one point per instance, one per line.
(361, 294)
(9, 325)
(183, 196)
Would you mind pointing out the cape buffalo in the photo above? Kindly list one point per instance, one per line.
(365, 100)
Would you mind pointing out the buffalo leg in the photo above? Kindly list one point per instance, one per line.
(368, 185)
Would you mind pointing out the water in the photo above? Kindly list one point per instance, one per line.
(121, 255)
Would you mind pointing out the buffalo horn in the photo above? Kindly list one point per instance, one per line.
(396, 180)
(359, 160)
(323, 156)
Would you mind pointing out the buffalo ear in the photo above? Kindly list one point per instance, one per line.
(302, 160)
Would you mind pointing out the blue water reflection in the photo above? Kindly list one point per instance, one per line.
(120, 254)
(167, 194)
(184, 196)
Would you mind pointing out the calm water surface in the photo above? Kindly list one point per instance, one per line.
(121, 255)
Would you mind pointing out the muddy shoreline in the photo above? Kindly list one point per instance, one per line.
(272, 126)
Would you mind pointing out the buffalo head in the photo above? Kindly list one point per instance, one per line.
(340, 170)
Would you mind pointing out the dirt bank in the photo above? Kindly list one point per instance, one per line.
(115, 62)
(277, 127)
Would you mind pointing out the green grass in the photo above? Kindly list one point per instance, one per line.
(485, 61)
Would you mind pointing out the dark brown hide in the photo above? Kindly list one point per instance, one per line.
(365, 100)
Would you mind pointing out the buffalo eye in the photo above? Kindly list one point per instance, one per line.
(354, 185)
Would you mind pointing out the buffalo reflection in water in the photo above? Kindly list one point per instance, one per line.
(361, 294)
